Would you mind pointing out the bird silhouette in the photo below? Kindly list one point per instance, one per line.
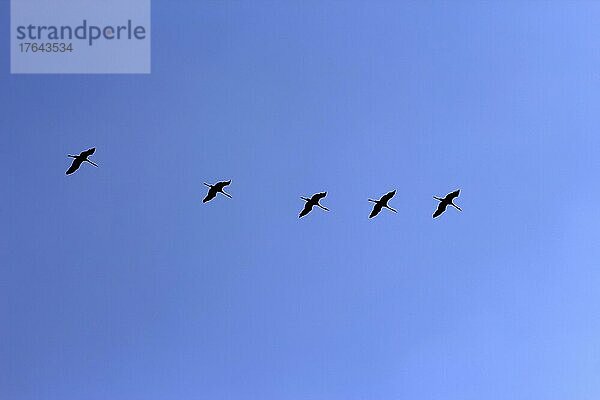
(80, 159)
(216, 188)
(310, 203)
(382, 203)
(445, 202)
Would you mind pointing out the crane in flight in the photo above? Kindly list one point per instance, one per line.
(310, 203)
(448, 200)
(80, 159)
(216, 188)
(382, 203)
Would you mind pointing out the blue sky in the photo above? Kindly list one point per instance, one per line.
(118, 283)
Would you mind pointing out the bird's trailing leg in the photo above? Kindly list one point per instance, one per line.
(305, 198)
(455, 206)
(71, 155)
(391, 209)
(94, 164)
(226, 194)
(324, 208)
(206, 184)
(373, 201)
(438, 199)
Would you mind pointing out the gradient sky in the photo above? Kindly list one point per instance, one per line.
(118, 283)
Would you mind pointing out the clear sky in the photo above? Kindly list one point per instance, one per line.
(118, 283)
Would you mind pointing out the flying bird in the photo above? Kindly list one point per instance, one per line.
(216, 188)
(80, 159)
(310, 203)
(445, 202)
(382, 203)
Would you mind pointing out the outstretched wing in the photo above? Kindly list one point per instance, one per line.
(305, 210)
(88, 152)
(318, 196)
(376, 210)
(222, 184)
(386, 197)
(452, 196)
(212, 192)
(440, 209)
(74, 166)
